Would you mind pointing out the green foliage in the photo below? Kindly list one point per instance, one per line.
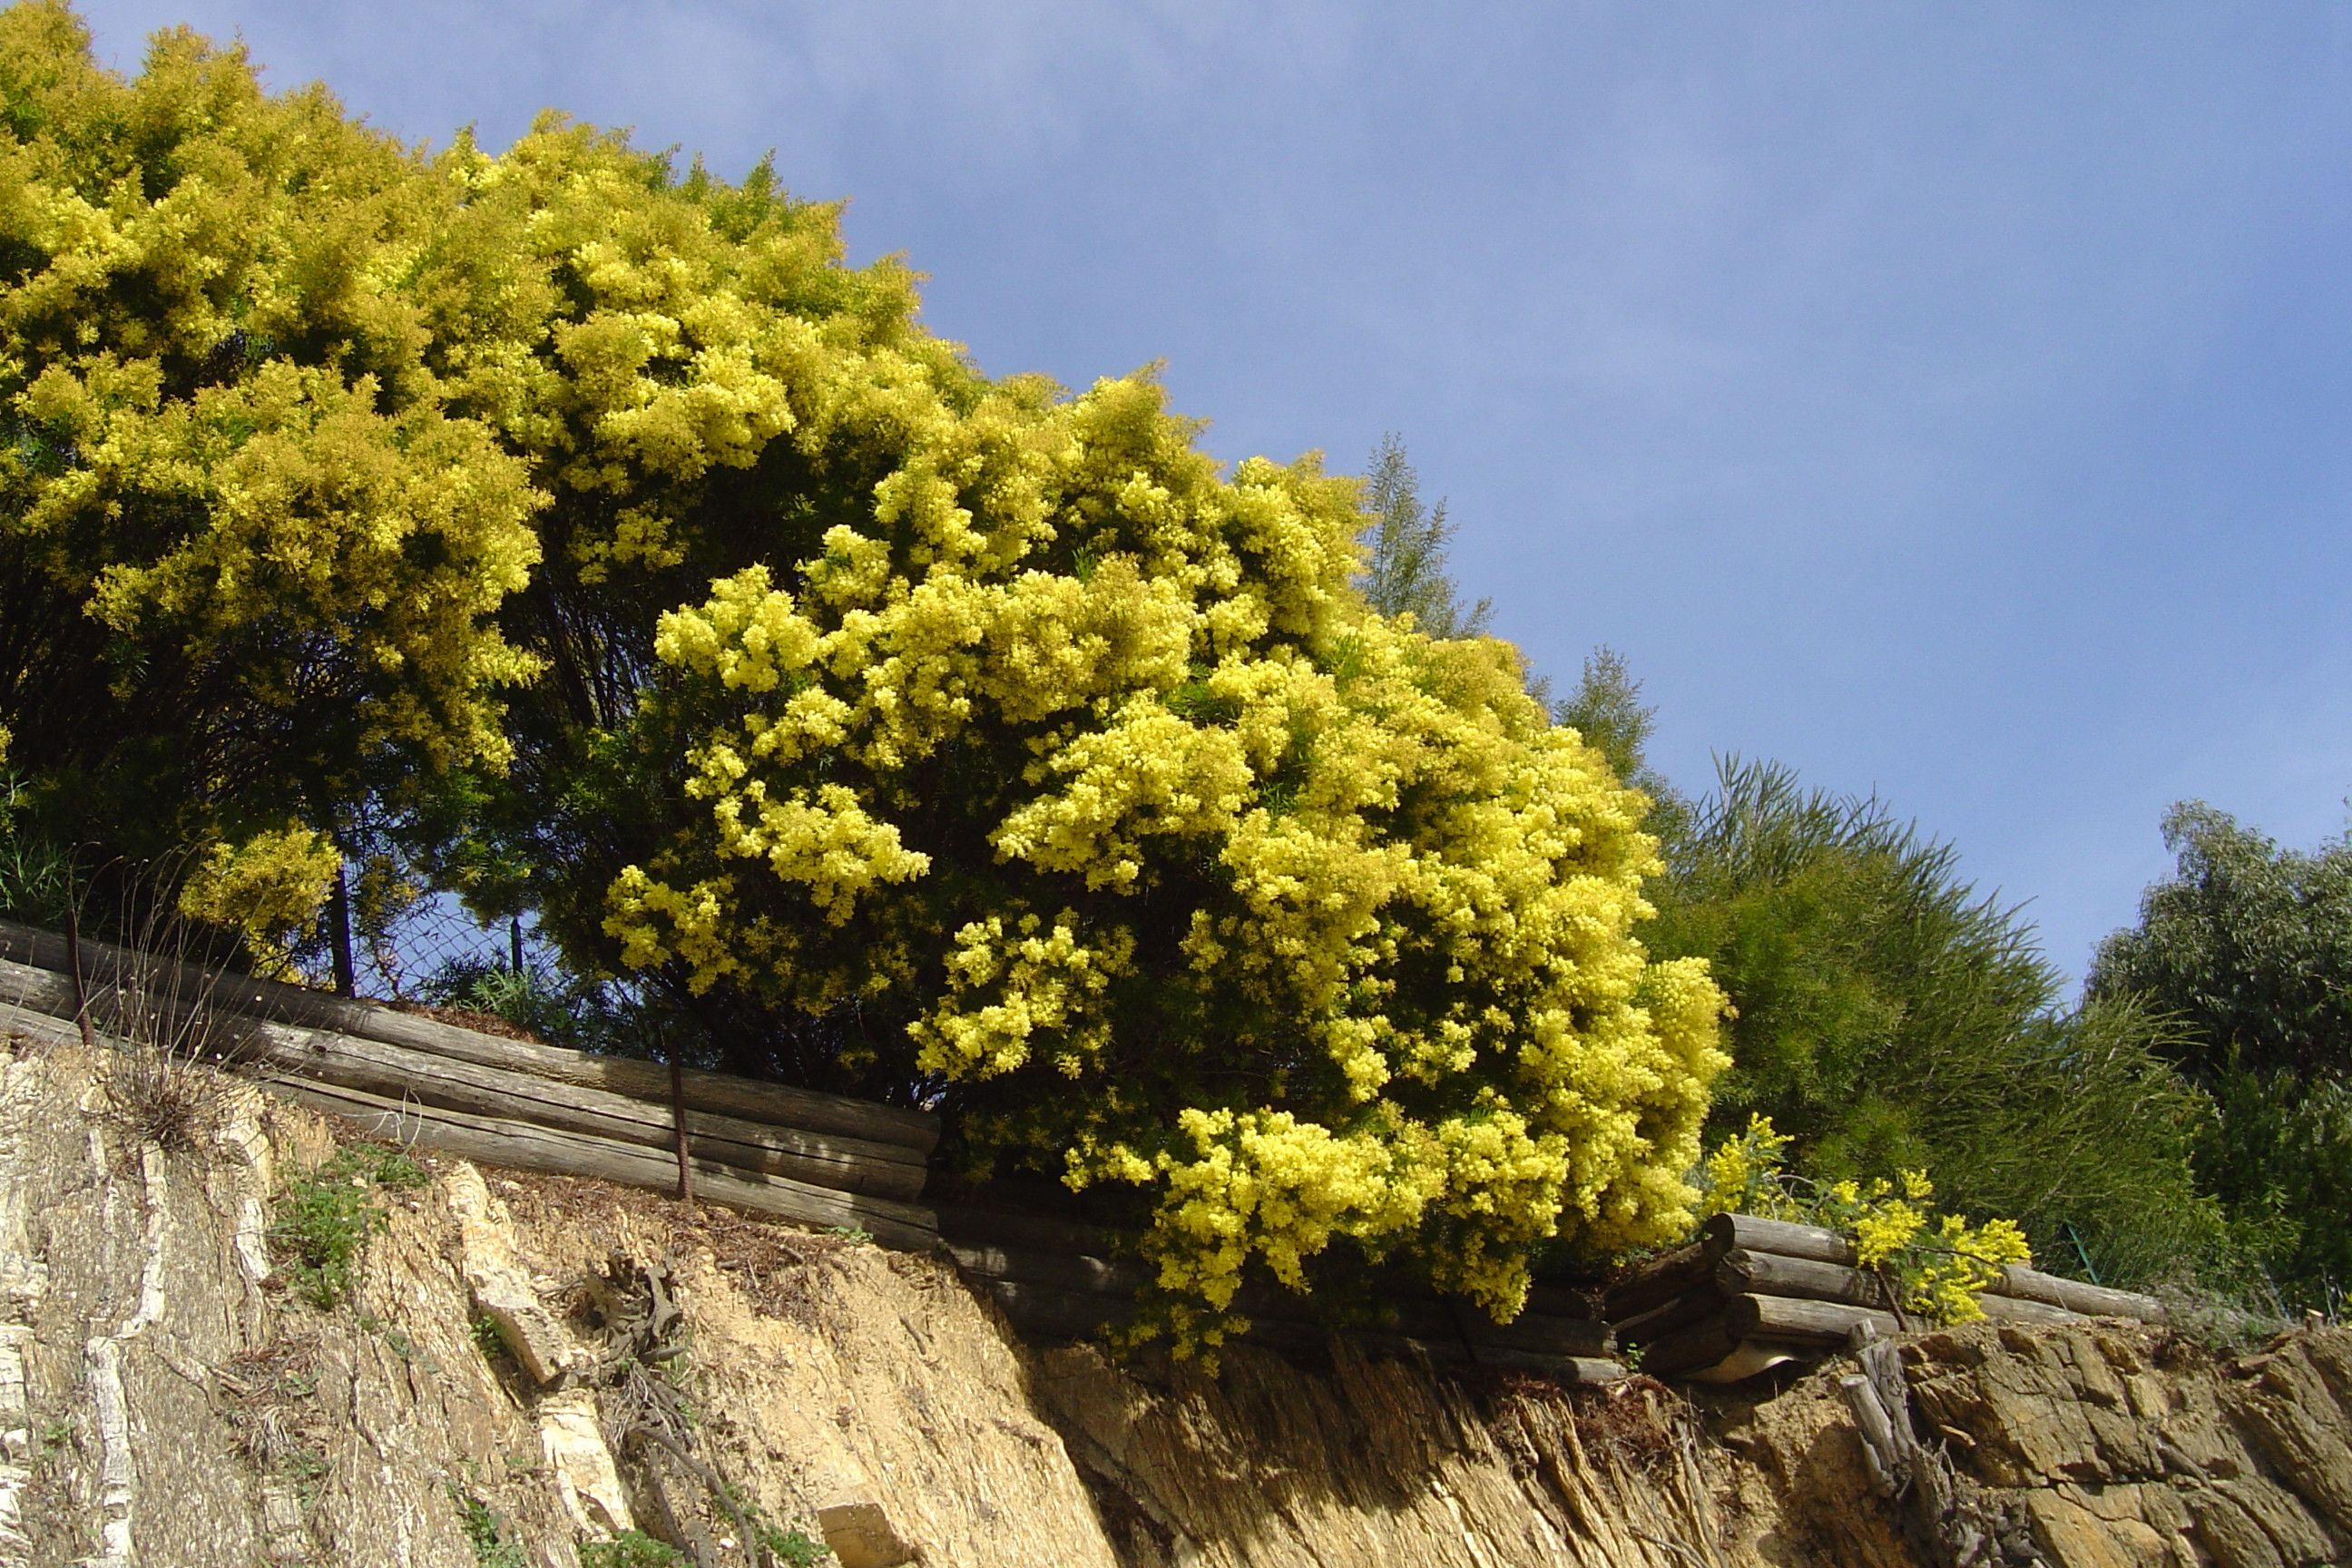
(1889, 1018)
(1607, 711)
(554, 1004)
(790, 1544)
(2249, 945)
(486, 1532)
(323, 1220)
(630, 1549)
(1405, 569)
(2247, 950)
(36, 874)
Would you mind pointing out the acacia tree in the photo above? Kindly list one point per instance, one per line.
(248, 548)
(598, 531)
(1084, 773)
(1011, 754)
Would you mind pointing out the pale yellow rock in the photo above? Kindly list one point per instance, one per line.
(857, 1531)
(585, 1477)
(2074, 1537)
(501, 1287)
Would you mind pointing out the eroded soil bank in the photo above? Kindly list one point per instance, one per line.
(523, 1368)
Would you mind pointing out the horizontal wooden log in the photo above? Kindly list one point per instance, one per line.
(1655, 1281)
(845, 1164)
(1542, 1333)
(1804, 1322)
(2016, 1310)
(1741, 1272)
(1696, 1346)
(2023, 1284)
(495, 1141)
(1565, 1301)
(1702, 1301)
(1120, 1281)
(981, 1226)
(41, 991)
(1726, 1232)
(718, 1093)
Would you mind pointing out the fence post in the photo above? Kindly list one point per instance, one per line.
(339, 923)
(677, 1121)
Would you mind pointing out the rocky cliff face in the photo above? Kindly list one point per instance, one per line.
(526, 1368)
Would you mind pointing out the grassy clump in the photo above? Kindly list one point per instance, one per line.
(323, 1220)
(631, 1549)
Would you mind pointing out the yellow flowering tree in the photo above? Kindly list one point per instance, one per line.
(1080, 772)
(249, 552)
(597, 528)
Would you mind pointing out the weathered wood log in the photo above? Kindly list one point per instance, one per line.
(1691, 1348)
(1432, 1319)
(2016, 1310)
(846, 1164)
(1782, 1238)
(1742, 1272)
(1703, 1300)
(517, 1146)
(1750, 1357)
(1566, 1300)
(1801, 1321)
(1117, 1280)
(1542, 1333)
(1658, 1280)
(718, 1093)
(986, 1226)
(2023, 1284)
(38, 991)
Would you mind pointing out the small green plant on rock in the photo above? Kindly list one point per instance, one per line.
(631, 1549)
(323, 1220)
(789, 1545)
(487, 1534)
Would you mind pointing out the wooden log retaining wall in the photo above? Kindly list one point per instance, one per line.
(1749, 1293)
(817, 1159)
(1063, 1277)
(1753, 1293)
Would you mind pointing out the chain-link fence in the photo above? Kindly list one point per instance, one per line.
(434, 949)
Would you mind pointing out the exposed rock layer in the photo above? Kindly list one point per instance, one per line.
(526, 1364)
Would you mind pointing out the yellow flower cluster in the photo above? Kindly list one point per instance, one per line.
(1941, 1263)
(265, 887)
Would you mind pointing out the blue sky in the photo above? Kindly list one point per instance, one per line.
(1948, 402)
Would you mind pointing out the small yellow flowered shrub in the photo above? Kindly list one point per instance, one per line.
(1941, 1263)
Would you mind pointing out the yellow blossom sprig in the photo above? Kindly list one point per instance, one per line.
(1941, 1263)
